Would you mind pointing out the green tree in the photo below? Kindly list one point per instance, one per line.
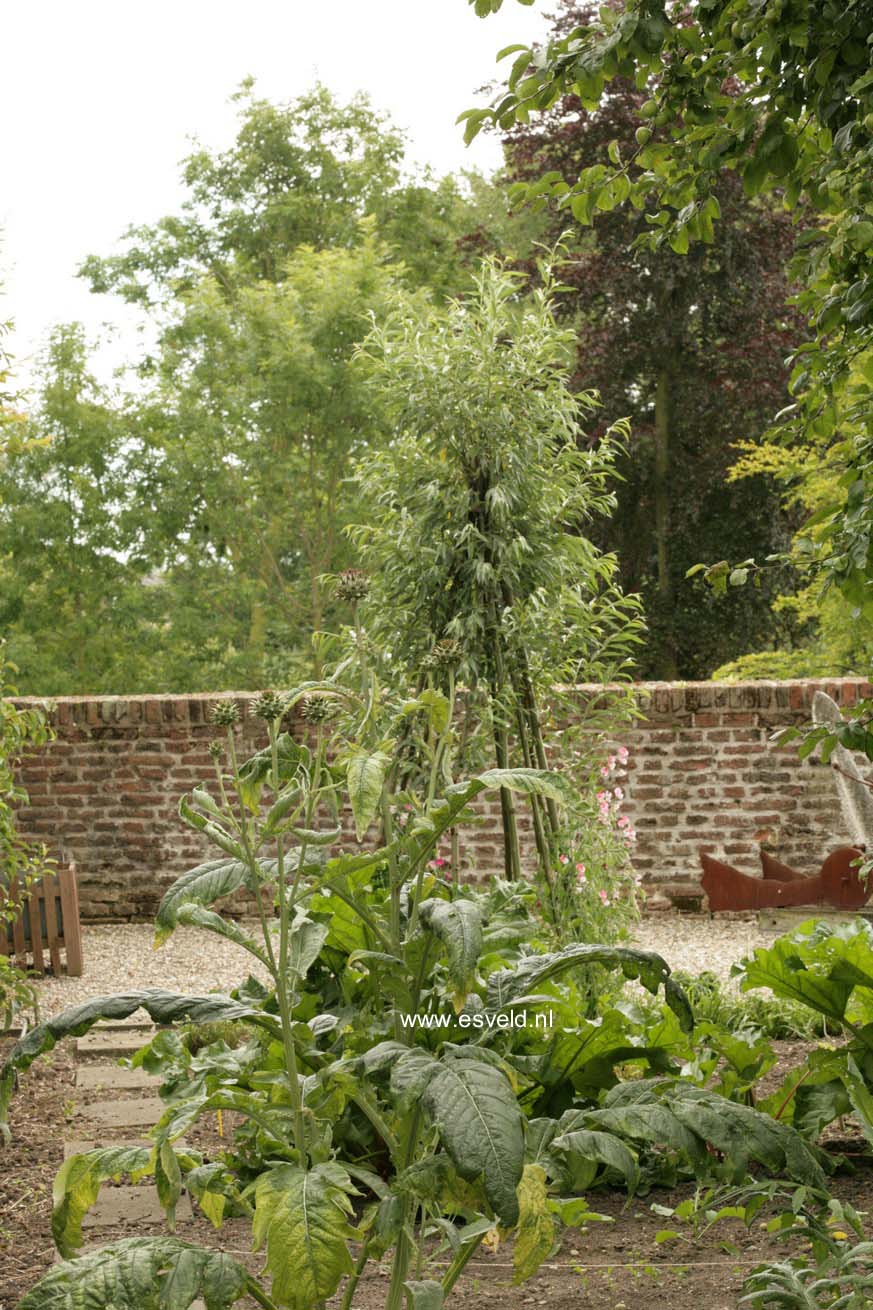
(691, 349)
(780, 92)
(304, 173)
(72, 558)
(478, 514)
(217, 484)
(256, 413)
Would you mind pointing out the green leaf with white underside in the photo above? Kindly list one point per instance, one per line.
(163, 1007)
(424, 1295)
(302, 1214)
(141, 1273)
(458, 925)
(508, 985)
(204, 885)
(305, 942)
(475, 1111)
(365, 777)
(77, 1184)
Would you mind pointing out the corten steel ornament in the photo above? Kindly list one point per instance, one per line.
(838, 884)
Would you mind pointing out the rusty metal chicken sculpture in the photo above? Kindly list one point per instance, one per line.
(838, 883)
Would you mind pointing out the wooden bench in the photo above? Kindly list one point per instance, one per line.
(48, 921)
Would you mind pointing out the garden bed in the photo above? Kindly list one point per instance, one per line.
(612, 1266)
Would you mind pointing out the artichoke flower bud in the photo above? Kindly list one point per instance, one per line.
(353, 585)
(268, 705)
(445, 654)
(316, 708)
(216, 749)
(225, 713)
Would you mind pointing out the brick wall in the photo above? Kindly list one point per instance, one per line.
(702, 772)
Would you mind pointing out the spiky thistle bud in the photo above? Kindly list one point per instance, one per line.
(353, 585)
(216, 750)
(225, 713)
(445, 654)
(268, 705)
(316, 708)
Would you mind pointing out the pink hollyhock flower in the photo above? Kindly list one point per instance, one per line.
(563, 859)
(619, 794)
(603, 896)
(624, 821)
(622, 754)
(580, 867)
(603, 797)
(604, 771)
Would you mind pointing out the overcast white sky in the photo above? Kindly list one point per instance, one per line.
(99, 100)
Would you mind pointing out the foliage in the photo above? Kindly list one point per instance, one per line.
(782, 98)
(478, 512)
(301, 174)
(149, 1273)
(73, 559)
(17, 994)
(22, 730)
(692, 350)
(181, 522)
(591, 892)
(392, 1053)
(828, 637)
(335, 1079)
(829, 969)
(835, 1273)
(844, 1277)
(776, 1018)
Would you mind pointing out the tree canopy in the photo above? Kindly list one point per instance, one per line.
(781, 93)
(691, 349)
(183, 521)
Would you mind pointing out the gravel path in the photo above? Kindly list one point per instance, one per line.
(697, 944)
(119, 957)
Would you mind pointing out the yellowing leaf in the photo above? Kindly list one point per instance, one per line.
(535, 1236)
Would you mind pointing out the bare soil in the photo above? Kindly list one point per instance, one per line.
(611, 1266)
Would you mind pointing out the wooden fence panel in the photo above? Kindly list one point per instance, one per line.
(49, 916)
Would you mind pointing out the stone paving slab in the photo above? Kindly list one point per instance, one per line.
(113, 1077)
(133, 1204)
(135, 1112)
(111, 1043)
(79, 1145)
